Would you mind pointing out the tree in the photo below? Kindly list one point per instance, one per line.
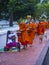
(45, 1)
(46, 5)
(3, 7)
(11, 9)
(18, 8)
(38, 8)
(42, 8)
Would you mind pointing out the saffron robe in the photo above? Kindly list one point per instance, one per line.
(32, 28)
(24, 34)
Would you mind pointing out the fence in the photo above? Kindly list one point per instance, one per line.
(6, 25)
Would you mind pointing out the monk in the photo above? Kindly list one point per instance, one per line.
(32, 28)
(41, 29)
(24, 34)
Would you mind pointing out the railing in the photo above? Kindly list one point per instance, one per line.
(2, 25)
(5, 25)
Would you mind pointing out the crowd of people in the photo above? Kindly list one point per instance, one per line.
(28, 30)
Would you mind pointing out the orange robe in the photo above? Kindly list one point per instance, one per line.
(41, 28)
(33, 30)
(46, 24)
(24, 34)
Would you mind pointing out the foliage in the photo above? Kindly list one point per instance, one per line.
(42, 8)
(18, 7)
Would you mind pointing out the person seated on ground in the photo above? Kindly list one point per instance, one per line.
(11, 41)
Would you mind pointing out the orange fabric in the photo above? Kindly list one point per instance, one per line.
(41, 27)
(19, 37)
(45, 23)
(48, 25)
(32, 29)
(24, 34)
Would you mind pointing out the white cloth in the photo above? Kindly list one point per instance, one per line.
(10, 38)
(9, 41)
(16, 38)
(10, 35)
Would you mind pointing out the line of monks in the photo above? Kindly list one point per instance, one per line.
(28, 31)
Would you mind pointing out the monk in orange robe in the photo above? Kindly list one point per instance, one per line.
(32, 28)
(24, 34)
(41, 29)
(45, 24)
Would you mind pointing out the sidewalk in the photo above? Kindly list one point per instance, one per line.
(30, 56)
